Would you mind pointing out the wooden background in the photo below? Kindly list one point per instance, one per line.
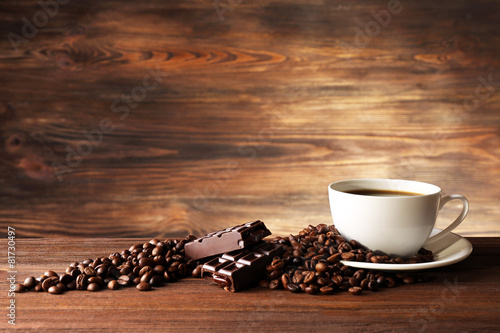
(207, 114)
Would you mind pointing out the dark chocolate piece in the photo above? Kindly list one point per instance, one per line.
(226, 240)
(237, 270)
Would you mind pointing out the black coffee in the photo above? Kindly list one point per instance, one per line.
(382, 193)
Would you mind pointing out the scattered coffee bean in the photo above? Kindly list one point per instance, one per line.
(408, 279)
(312, 260)
(311, 290)
(310, 264)
(62, 286)
(143, 286)
(113, 285)
(50, 273)
(55, 290)
(197, 271)
(274, 284)
(264, 283)
(294, 288)
(19, 287)
(71, 285)
(47, 283)
(93, 287)
(124, 280)
(30, 282)
(326, 290)
(156, 281)
(355, 290)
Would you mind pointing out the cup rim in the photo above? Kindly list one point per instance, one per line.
(397, 185)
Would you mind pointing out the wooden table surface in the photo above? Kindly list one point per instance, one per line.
(464, 297)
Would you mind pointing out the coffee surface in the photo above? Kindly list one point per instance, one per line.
(382, 193)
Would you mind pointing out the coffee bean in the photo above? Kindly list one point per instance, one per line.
(348, 256)
(89, 271)
(334, 258)
(50, 273)
(55, 290)
(326, 290)
(264, 283)
(81, 282)
(345, 285)
(277, 264)
(285, 280)
(321, 267)
(96, 279)
(47, 283)
(145, 269)
(337, 279)
(274, 284)
(101, 270)
(123, 280)
(75, 272)
(146, 277)
(360, 274)
(38, 287)
(65, 278)
(125, 270)
(30, 283)
(113, 285)
(354, 282)
(93, 287)
(62, 286)
(355, 290)
(143, 286)
(310, 277)
(322, 281)
(156, 281)
(298, 277)
(146, 261)
(183, 270)
(390, 282)
(159, 270)
(381, 280)
(294, 288)
(197, 271)
(344, 247)
(19, 288)
(275, 274)
(408, 279)
(311, 290)
(375, 259)
(373, 285)
(71, 285)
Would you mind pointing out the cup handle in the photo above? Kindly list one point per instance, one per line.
(460, 218)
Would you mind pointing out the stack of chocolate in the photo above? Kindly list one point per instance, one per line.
(237, 256)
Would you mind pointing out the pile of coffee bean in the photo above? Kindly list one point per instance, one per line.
(311, 264)
(142, 265)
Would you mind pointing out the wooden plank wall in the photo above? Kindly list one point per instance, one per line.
(162, 118)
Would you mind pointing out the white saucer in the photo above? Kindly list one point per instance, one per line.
(449, 250)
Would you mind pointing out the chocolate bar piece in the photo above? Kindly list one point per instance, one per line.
(226, 240)
(239, 269)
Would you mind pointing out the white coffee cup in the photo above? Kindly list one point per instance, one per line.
(395, 225)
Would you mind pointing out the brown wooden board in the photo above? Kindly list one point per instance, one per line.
(156, 119)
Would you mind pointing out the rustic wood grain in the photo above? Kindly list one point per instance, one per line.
(251, 118)
(464, 295)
